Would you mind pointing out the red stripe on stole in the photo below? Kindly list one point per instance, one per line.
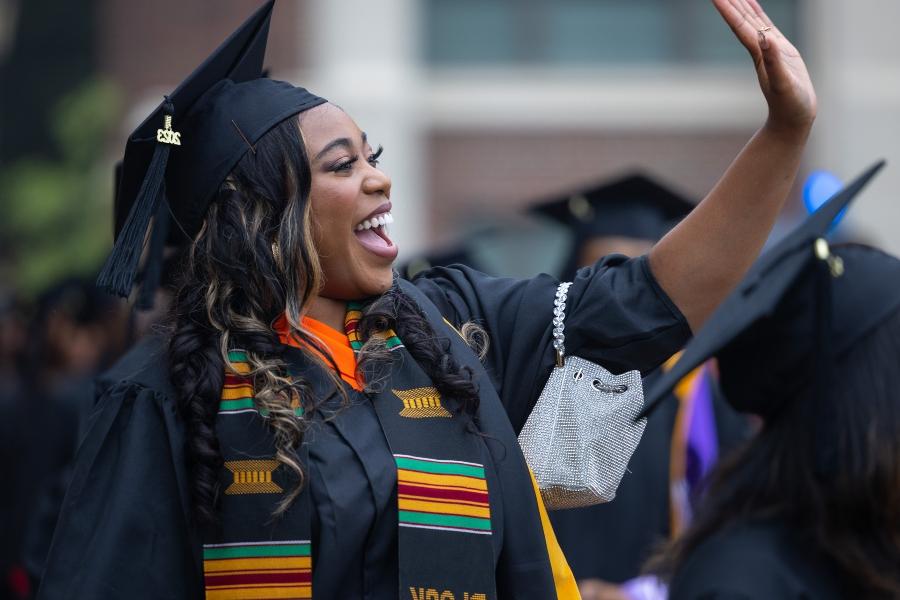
(445, 488)
(237, 380)
(250, 579)
(426, 492)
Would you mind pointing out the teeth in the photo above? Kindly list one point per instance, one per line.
(381, 220)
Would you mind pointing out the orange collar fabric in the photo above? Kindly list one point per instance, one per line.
(336, 342)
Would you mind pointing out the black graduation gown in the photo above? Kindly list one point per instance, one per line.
(755, 560)
(125, 531)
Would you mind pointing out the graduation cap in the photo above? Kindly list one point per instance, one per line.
(634, 206)
(801, 306)
(178, 157)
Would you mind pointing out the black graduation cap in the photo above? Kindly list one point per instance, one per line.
(634, 205)
(179, 156)
(801, 305)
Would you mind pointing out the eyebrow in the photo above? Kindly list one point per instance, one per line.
(339, 143)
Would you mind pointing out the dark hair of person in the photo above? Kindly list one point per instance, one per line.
(232, 288)
(253, 260)
(76, 301)
(397, 311)
(852, 516)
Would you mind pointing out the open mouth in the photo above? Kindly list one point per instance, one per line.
(373, 235)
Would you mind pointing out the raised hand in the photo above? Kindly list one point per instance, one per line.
(782, 73)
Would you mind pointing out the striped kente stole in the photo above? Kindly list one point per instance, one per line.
(444, 531)
(241, 562)
(258, 570)
(447, 495)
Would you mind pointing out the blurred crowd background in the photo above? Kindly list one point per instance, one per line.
(484, 107)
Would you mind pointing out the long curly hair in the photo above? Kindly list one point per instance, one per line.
(396, 311)
(851, 517)
(253, 260)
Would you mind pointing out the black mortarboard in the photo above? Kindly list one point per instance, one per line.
(180, 155)
(800, 306)
(634, 206)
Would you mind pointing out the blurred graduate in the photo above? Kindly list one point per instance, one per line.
(811, 507)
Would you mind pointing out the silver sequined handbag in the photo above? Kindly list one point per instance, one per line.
(581, 434)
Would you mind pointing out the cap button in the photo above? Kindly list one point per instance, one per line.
(823, 252)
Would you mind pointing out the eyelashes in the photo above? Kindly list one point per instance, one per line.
(347, 165)
(375, 157)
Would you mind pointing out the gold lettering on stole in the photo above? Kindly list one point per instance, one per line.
(434, 594)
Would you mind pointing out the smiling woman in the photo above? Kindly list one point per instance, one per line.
(314, 426)
(350, 198)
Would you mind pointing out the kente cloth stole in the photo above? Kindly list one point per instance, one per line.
(444, 521)
(443, 513)
(252, 555)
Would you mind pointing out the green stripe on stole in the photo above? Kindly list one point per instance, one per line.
(444, 520)
(237, 356)
(253, 551)
(425, 466)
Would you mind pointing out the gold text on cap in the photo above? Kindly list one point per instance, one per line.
(167, 135)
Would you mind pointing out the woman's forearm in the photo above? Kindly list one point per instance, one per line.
(707, 254)
(703, 258)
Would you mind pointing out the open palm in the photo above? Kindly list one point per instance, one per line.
(783, 76)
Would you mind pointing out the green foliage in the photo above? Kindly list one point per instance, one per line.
(57, 213)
